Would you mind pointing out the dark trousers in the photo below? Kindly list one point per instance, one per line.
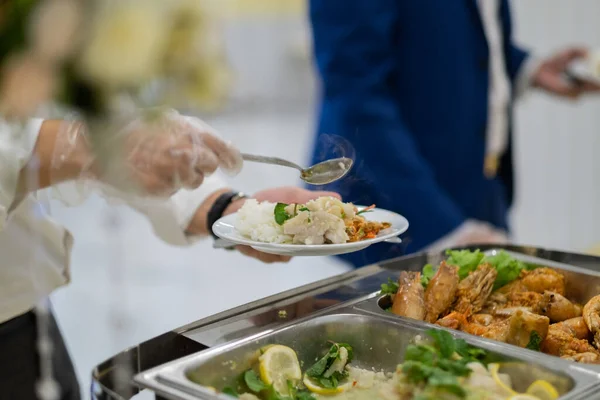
(19, 360)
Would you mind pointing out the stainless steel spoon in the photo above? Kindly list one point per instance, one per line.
(319, 174)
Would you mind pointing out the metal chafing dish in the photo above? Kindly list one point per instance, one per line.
(340, 308)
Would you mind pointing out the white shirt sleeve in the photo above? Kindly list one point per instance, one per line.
(525, 76)
(171, 217)
(17, 142)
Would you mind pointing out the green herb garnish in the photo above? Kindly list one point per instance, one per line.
(304, 209)
(230, 391)
(508, 267)
(253, 381)
(466, 261)
(280, 214)
(304, 395)
(439, 365)
(535, 341)
(443, 341)
(468, 352)
(427, 273)
(390, 288)
(317, 371)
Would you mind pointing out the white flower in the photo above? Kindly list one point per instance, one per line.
(54, 29)
(26, 84)
(126, 44)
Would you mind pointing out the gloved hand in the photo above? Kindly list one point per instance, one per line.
(150, 155)
(470, 232)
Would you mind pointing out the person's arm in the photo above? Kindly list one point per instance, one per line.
(73, 159)
(356, 57)
(526, 71)
(26, 152)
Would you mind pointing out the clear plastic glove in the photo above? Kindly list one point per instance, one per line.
(469, 233)
(155, 155)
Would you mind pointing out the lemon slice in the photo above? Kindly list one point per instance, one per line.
(543, 390)
(316, 388)
(522, 397)
(494, 368)
(278, 365)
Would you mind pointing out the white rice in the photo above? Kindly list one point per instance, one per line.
(257, 221)
(317, 222)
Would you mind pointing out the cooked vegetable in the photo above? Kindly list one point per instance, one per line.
(330, 370)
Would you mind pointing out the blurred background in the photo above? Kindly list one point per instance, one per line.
(272, 112)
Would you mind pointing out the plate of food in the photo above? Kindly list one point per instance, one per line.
(322, 227)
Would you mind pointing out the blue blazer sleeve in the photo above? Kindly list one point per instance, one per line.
(354, 50)
(515, 56)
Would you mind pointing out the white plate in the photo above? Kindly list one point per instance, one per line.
(225, 229)
(586, 70)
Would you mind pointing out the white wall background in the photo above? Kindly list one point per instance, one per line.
(161, 287)
(558, 141)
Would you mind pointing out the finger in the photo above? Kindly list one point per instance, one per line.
(155, 185)
(571, 54)
(590, 86)
(190, 177)
(205, 160)
(566, 90)
(229, 156)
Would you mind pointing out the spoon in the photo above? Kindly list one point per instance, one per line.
(319, 174)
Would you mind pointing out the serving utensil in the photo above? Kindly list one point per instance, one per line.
(319, 174)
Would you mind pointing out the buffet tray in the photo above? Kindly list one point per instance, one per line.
(581, 284)
(357, 289)
(379, 341)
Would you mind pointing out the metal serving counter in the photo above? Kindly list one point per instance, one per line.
(113, 379)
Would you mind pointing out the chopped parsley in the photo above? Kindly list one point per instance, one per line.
(390, 288)
(438, 366)
(535, 341)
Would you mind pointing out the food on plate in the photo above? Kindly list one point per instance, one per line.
(502, 298)
(325, 220)
(438, 368)
(594, 60)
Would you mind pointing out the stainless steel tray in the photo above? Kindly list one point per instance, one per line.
(581, 285)
(379, 342)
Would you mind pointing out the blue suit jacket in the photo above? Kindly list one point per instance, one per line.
(405, 92)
